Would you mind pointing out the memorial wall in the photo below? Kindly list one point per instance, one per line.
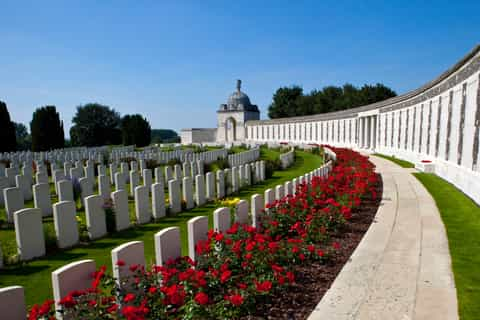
(438, 122)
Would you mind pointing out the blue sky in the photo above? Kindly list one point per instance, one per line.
(176, 61)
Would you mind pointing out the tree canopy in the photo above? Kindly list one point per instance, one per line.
(24, 140)
(8, 141)
(95, 125)
(164, 136)
(291, 101)
(135, 130)
(46, 129)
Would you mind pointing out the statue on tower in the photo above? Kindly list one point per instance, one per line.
(239, 85)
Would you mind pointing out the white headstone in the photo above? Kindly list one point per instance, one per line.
(58, 176)
(24, 185)
(11, 173)
(257, 206)
(65, 190)
(234, 180)
(174, 196)
(134, 181)
(168, 174)
(221, 219)
(210, 186)
(132, 254)
(147, 178)
(120, 181)
(167, 245)
(279, 192)
(241, 212)
(3, 185)
(13, 202)
(73, 276)
(188, 192)
(65, 222)
(220, 184)
(41, 198)
(158, 200)
(200, 190)
(159, 176)
(104, 186)
(12, 303)
(142, 210)
(178, 172)
(269, 197)
(29, 233)
(41, 177)
(120, 204)
(95, 214)
(197, 231)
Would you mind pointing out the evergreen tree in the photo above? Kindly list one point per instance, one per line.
(46, 129)
(95, 125)
(136, 130)
(8, 140)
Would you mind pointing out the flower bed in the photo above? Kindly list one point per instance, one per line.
(238, 270)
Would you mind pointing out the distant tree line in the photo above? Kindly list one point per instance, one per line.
(164, 136)
(93, 125)
(291, 101)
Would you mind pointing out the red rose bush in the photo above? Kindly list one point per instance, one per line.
(236, 270)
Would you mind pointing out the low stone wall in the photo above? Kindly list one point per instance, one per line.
(243, 157)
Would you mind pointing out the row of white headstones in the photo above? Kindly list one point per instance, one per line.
(77, 275)
(71, 155)
(189, 185)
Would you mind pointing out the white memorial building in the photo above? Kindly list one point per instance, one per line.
(438, 123)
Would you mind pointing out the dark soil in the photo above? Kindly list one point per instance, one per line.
(313, 280)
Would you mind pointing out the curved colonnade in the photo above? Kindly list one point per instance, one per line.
(438, 122)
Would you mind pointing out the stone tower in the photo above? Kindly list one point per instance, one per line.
(231, 117)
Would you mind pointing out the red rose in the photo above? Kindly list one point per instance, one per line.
(225, 276)
(129, 297)
(235, 299)
(264, 286)
(201, 298)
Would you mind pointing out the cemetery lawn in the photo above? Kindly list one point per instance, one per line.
(461, 217)
(401, 163)
(35, 276)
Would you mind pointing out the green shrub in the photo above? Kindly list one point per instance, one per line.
(271, 166)
(152, 164)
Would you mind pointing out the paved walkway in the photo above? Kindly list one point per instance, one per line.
(401, 268)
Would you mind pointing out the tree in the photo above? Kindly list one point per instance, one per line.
(135, 130)
(285, 102)
(290, 101)
(46, 129)
(24, 140)
(164, 136)
(8, 142)
(95, 125)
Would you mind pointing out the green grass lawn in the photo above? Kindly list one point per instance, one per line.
(401, 163)
(35, 276)
(461, 217)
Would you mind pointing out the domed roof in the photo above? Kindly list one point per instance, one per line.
(238, 100)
